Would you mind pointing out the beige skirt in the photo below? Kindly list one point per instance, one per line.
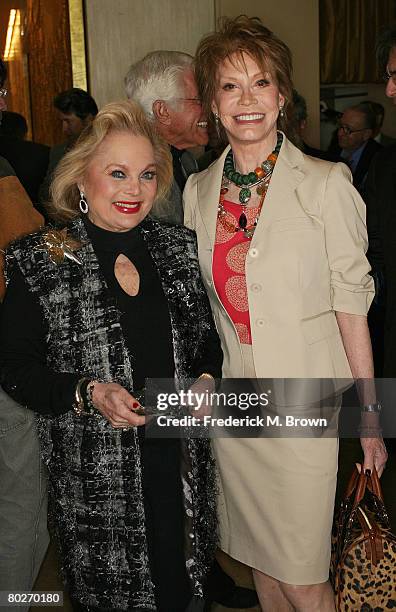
(276, 502)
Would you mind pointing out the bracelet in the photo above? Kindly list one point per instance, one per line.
(83, 404)
(79, 404)
(91, 408)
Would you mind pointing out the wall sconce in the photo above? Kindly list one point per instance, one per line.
(77, 43)
(13, 33)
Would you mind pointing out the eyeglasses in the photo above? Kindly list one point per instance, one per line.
(194, 100)
(3, 92)
(390, 76)
(348, 131)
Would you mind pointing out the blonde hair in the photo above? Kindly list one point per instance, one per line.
(234, 38)
(125, 116)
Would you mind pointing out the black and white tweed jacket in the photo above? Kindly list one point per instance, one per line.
(95, 470)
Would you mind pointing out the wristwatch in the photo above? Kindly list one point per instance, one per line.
(372, 407)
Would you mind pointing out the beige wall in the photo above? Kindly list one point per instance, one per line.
(297, 24)
(119, 32)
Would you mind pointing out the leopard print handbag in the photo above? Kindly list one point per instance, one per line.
(363, 559)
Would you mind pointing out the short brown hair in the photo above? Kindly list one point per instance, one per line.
(237, 36)
(385, 43)
(125, 116)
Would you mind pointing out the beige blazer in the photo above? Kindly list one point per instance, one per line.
(306, 261)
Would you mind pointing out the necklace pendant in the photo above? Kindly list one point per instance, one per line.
(242, 221)
(261, 189)
(244, 195)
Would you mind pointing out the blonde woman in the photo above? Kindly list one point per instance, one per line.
(91, 311)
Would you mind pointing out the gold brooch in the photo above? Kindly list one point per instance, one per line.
(60, 246)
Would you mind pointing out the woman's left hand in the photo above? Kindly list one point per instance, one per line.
(375, 454)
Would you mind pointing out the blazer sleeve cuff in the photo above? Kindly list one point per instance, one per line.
(353, 301)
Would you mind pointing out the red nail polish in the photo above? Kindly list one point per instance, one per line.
(135, 405)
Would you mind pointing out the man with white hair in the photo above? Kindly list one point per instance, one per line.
(163, 83)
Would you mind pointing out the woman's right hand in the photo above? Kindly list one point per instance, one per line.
(375, 454)
(117, 405)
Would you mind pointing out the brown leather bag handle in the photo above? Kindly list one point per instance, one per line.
(369, 480)
(352, 483)
(375, 485)
(360, 488)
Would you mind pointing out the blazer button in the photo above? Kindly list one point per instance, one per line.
(256, 287)
(260, 322)
(253, 252)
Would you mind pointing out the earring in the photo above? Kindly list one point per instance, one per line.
(281, 112)
(83, 204)
(217, 124)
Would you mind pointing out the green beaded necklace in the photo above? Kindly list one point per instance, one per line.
(245, 181)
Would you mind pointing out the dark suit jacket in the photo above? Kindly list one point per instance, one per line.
(326, 155)
(55, 155)
(360, 174)
(5, 168)
(380, 197)
(29, 160)
(184, 164)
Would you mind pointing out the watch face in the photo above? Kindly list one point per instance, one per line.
(372, 408)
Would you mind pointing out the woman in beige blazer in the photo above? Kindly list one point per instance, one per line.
(282, 241)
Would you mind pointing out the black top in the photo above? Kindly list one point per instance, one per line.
(145, 317)
(145, 322)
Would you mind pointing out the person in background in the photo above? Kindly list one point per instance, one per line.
(357, 147)
(76, 109)
(297, 128)
(380, 198)
(379, 111)
(281, 238)
(29, 160)
(23, 489)
(13, 124)
(163, 83)
(91, 312)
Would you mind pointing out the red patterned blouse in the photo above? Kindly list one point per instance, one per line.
(229, 257)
